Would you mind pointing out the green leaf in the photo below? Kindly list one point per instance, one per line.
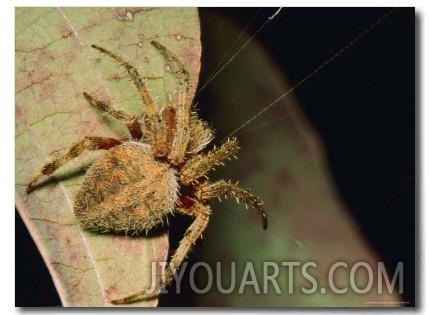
(54, 65)
(283, 160)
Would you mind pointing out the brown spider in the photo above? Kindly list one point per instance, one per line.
(139, 181)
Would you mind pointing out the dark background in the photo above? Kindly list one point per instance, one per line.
(373, 167)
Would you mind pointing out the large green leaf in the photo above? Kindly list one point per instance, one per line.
(283, 160)
(54, 65)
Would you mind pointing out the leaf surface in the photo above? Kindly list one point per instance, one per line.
(54, 65)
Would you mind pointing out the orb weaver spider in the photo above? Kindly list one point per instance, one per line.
(161, 168)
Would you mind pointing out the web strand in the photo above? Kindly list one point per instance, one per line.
(229, 52)
(312, 73)
(234, 55)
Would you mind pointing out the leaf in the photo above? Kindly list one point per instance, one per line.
(283, 161)
(54, 65)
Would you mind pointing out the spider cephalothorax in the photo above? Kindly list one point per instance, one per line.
(161, 168)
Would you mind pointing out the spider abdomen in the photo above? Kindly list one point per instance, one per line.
(126, 190)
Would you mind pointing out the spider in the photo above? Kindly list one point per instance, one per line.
(161, 168)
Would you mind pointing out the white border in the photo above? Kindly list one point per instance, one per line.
(7, 131)
(223, 3)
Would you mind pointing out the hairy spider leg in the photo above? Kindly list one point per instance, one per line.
(135, 77)
(201, 213)
(222, 188)
(87, 143)
(153, 122)
(197, 166)
(130, 121)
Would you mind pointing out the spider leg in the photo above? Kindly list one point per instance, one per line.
(130, 121)
(154, 123)
(200, 164)
(201, 213)
(200, 135)
(221, 188)
(87, 143)
(182, 132)
(135, 77)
